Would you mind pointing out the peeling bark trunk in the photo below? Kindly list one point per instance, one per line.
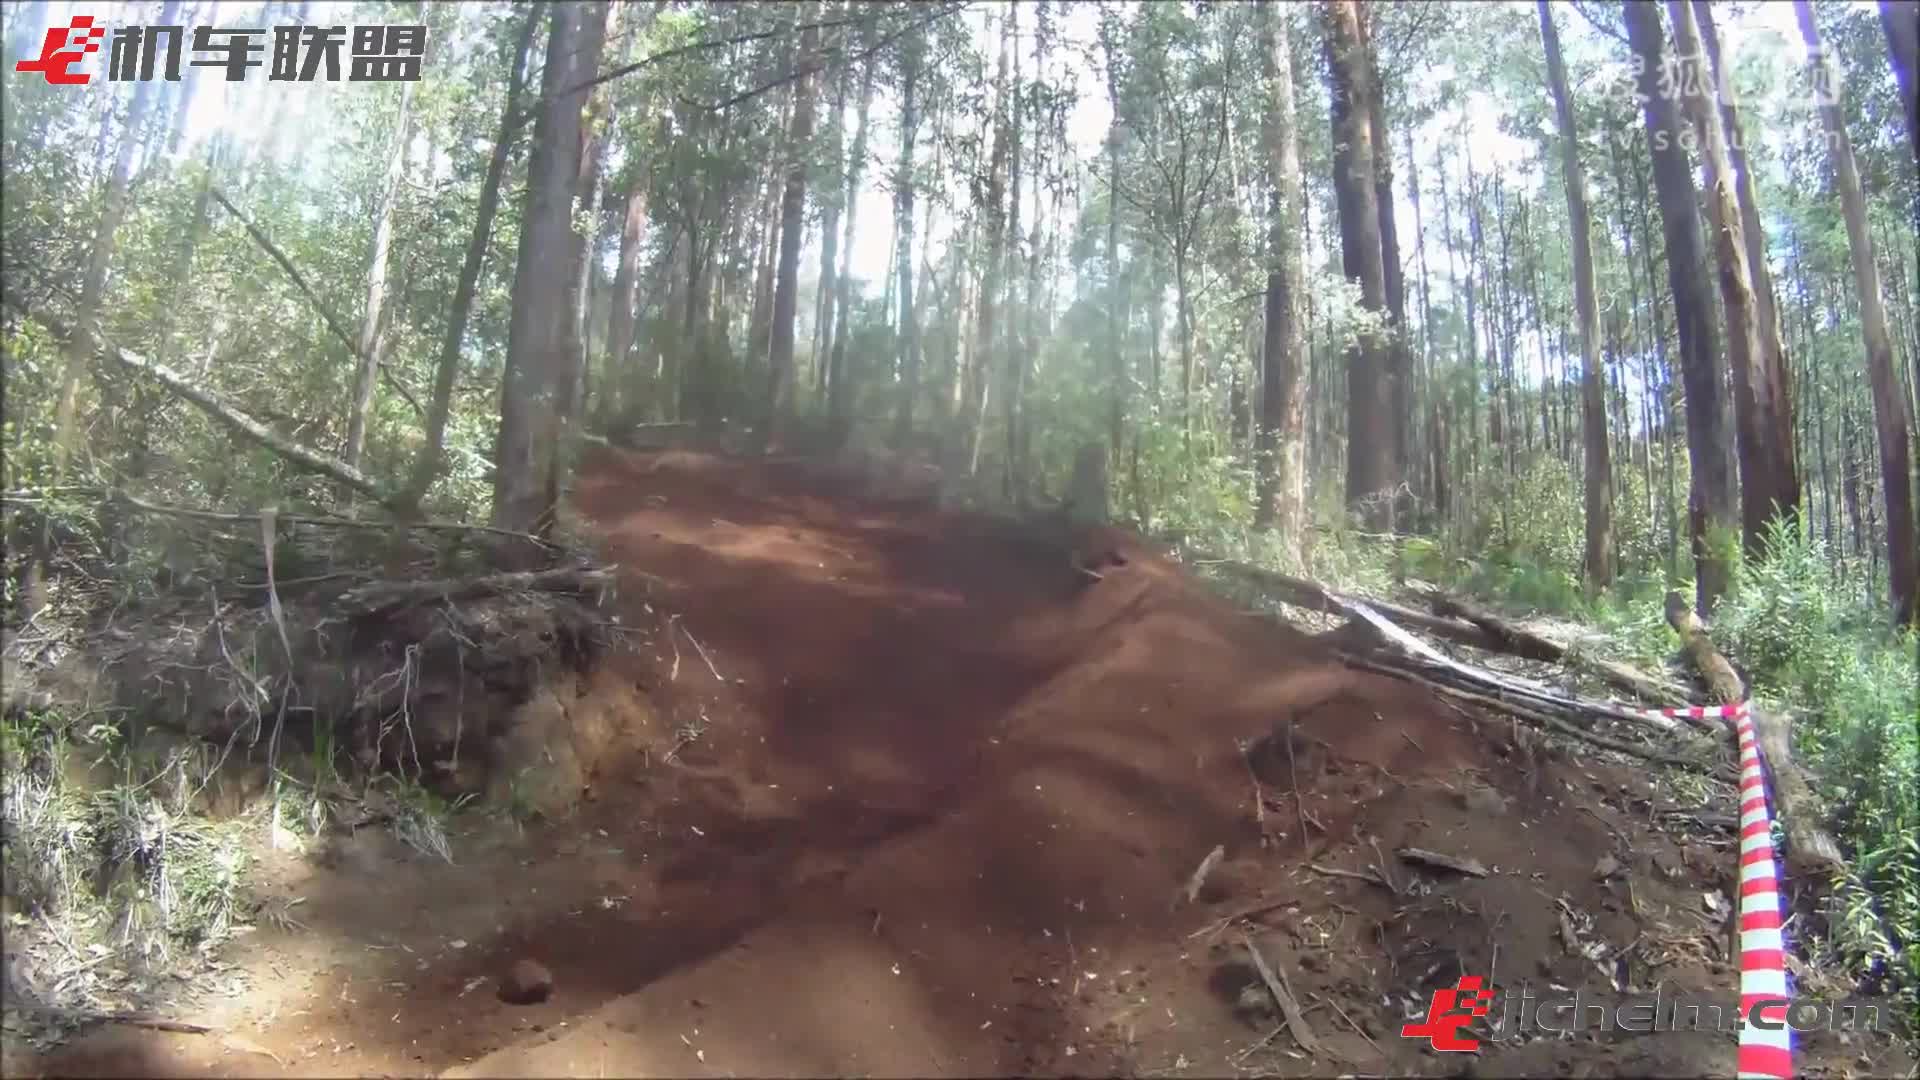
(1710, 497)
(1769, 484)
(1773, 376)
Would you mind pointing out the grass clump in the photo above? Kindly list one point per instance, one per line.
(109, 886)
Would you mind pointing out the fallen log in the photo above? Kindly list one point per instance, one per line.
(1522, 642)
(1419, 654)
(1307, 594)
(1810, 850)
(1458, 622)
(1290, 1010)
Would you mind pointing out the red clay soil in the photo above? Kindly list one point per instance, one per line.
(940, 820)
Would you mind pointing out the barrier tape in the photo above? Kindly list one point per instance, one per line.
(1764, 1054)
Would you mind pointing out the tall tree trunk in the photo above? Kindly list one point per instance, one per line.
(1371, 454)
(93, 289)
(1116, 298)
(832, 203)
(1901, 21)
(793, 205)
(93, 284)
(992, 208)
(1010, 276)
(1399, 354)
(1434, 461)
(909, 335)
(541, 368)
(1772, 384)
(764, 220)
(372, 336)
(1599, 465)
(623, 319)
(1029, 336)
(428, 465)
(582, 267)
(1769, 482)
(1896, 481)
(839, 382)
(1710, 501)
(1463, 349)
(1282, 481)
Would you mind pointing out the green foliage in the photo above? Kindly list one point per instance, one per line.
(1196, 491)
(126, 866)
(1852, 684)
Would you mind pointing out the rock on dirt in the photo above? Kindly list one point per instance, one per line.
(528, 982)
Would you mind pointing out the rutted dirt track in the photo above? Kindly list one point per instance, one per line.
(945, 794)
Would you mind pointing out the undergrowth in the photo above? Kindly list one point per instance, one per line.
(114, 876)
(1806, 630)
(1806, 643)
(124, 880)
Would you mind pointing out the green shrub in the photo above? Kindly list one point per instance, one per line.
(1851, 684)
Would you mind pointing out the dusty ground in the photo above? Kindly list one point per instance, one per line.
(937, 820)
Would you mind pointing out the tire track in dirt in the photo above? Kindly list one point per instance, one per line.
(1051, 756)
(946, 790)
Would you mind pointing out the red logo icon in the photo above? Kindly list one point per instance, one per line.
(64, 47)
(1452, 1008)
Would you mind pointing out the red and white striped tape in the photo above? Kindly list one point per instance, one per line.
(1766, 1053)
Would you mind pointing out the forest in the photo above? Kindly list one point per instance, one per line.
(1560, 310)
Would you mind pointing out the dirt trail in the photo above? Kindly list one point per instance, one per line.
(943, 796)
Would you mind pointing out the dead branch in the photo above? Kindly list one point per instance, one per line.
(1538, 718)
(323, 521)
(1259, 800)
(230, 416)
(1199, 879)
(1283, 997)
(385, 596)
(1442, 860)
(702, 649)
(326, 315)
(1810, 850)
(92, 1016)
(1220, 924)
(1371, 877)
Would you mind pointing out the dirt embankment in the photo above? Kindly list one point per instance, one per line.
(913, 795)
